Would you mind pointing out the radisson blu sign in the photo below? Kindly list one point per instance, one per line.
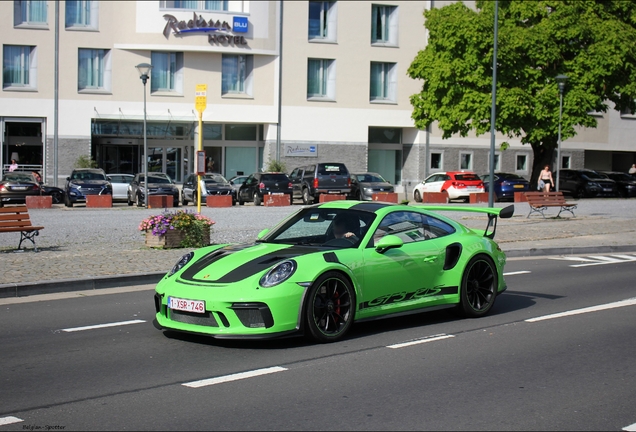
(218, 32)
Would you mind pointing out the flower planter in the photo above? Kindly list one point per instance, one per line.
(39, 201)
(390, 197)
(218, 201)
(99, 201)
(160, 201)
(331, 197)
(479, 197)
(172, 239)
(276, 200)
(435, 197)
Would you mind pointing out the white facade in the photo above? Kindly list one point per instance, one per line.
(344, 95)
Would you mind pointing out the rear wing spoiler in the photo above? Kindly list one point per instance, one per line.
(493, 214)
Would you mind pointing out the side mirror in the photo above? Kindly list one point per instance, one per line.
(388, 242)
(108, 178)
(262, 234)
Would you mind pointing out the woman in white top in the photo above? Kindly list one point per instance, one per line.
(546, 176)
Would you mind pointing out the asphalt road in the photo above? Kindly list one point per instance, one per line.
(500, 372)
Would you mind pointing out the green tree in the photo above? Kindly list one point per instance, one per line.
(590, 41)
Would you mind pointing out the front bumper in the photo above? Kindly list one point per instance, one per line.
(237, 310)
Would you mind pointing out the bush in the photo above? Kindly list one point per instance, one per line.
(276, 166)
(85, 162)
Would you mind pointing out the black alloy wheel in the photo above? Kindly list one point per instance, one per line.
(479, 287)
(330, 307)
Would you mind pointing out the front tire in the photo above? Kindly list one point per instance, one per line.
(138, 200)
(417, 197)
(330, 307)
(479, 287)
(67, 201)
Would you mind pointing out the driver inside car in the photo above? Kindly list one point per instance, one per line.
(343, 227)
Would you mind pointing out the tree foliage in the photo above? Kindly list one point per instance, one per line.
(589, 41)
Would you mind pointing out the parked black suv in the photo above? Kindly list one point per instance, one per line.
(259, 184)
(85, 181)
(321, 178)
(625, 183)
(585, 183)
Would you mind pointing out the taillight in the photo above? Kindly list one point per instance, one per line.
(3, 188)
(315, 183)
(348, 181)
(261, 185)
(36, 187)
(290, 185)
(459, 185)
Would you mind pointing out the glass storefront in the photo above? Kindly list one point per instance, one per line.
(230, 148)
(385, 153)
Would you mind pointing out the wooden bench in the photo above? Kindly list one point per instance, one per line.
(16, 219)
(540, 201)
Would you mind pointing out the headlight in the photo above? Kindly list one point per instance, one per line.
(279, 273)
(181, 263)
(369, 190)
(594, 184)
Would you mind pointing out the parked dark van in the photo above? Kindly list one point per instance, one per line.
(321, 178)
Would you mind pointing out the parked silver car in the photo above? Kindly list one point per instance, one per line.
(158, 184)
(120, 184)
(211, 184)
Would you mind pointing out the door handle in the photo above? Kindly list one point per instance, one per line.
(431, 258)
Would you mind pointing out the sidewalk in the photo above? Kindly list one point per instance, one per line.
(83, 248)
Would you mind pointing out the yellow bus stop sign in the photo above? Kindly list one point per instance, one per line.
(200, 97)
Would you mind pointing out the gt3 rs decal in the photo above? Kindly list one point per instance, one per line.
(406, 296)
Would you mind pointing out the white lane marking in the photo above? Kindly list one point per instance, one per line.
(626, 257)
(517, 273)
(115, 324)
(234, 377)
(9, 420)
(605, 258)
(569, 258)
(421, 341)
(622, 303)
(630, 428)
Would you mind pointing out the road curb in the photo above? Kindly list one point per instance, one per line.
(68, 285)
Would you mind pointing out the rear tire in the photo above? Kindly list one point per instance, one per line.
(257, 200)
(307, 199)
(138, 201)
(479, 287)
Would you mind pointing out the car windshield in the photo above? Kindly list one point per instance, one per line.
(370, 178)
(214, 178)
(510, 176)
(275, 177)
(158, 179)
(88, 175)
(467, 177)
(621, 177)
(334, 168)
(322, 227)
(18, 177)
(593, 175)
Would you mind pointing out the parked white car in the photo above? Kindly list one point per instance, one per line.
(457, 184)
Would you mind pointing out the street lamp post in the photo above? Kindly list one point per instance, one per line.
(144, 73)
(561, 80)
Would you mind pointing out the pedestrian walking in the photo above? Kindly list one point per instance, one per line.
(545, 179)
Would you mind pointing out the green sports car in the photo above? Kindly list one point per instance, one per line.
(331, 264)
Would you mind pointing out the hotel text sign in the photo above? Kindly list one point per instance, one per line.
(218, 32)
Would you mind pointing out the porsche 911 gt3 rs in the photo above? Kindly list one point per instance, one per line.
(332, 264)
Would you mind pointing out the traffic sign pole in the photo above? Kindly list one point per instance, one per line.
(200, 103)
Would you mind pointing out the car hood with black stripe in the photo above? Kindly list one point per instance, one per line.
(234, 263)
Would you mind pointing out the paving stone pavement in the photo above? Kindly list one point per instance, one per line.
(108, 244)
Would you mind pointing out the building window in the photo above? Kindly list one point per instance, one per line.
(18, 67)
(167, 72)
(497, 162)
(240, 132)
(437, 161)
(383, 82)
(30, 12)
(566, 162)
(382, 135)
(522, 163)
(384, 24)
(94, 69)
(81, 14)
(321, 79)
(236, 76)
(322, 21)
(465, 161)
(195, 5)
